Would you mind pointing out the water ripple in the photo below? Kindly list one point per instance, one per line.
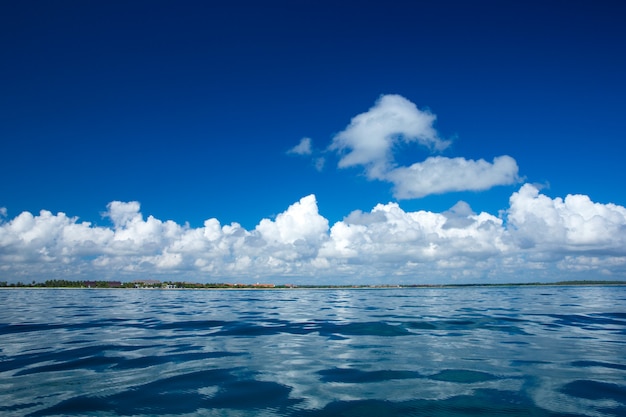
(435, 352)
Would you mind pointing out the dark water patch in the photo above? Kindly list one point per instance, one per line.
(74, 407)
(251, 300)
(365, 329)
(82, 315)
(350, 375)
(7, 329)
(329, 329)
(181, 348)
(358, 408)
(147, 361)
(153, 360)
(507, 329)
(588, 322)
(462, 376)
(595, 390)
(398, 295)
(190, 325)
(619, 411)
(25, 361)
(251, 395)
(174, 395)
(528, 363)
(102, 297)
(111, 321)
(252, 314)
(619, 316)
(76, 342)
(459, 323)
(142, 362)
(484, 403)
(421, 325)
(500, 324)
(17, 407)
(599, 364)
(249, 329)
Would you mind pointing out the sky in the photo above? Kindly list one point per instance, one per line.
(317, 142)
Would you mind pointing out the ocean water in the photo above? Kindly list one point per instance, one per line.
(497, 351)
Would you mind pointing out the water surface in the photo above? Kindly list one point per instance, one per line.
(499, 351)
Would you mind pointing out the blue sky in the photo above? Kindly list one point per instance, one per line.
(194, 111)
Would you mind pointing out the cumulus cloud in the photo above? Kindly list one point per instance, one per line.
(301, 221)
(575, 223)
(122, 213)
(392, 237)
(438, 175)
(372, 137)
(538, 238)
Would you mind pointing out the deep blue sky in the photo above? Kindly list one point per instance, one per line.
(191, 108)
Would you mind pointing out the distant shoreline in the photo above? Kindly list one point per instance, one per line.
(233, 287)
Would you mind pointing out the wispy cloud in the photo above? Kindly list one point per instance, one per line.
(305, 148)
(371, 139)
(302, 148)
(545, 238)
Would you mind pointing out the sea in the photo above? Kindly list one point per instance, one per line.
(469, 351)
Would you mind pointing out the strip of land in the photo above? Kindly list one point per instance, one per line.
(155, 284)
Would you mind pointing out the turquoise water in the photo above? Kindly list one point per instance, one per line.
(506, 351)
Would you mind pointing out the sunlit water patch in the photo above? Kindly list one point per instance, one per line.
(513, 351)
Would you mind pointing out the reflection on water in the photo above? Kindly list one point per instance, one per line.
(541, 351)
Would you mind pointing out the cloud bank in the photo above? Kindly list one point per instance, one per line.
(538, 238)
(371, 139)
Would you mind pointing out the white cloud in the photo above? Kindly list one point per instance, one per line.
(438, 175)
(371, 138)
(389, 235)
(122, 213)
(574, 223)
(540, 238)
(301, 221)
(319, 163)
(305, 148)
(302, 148)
